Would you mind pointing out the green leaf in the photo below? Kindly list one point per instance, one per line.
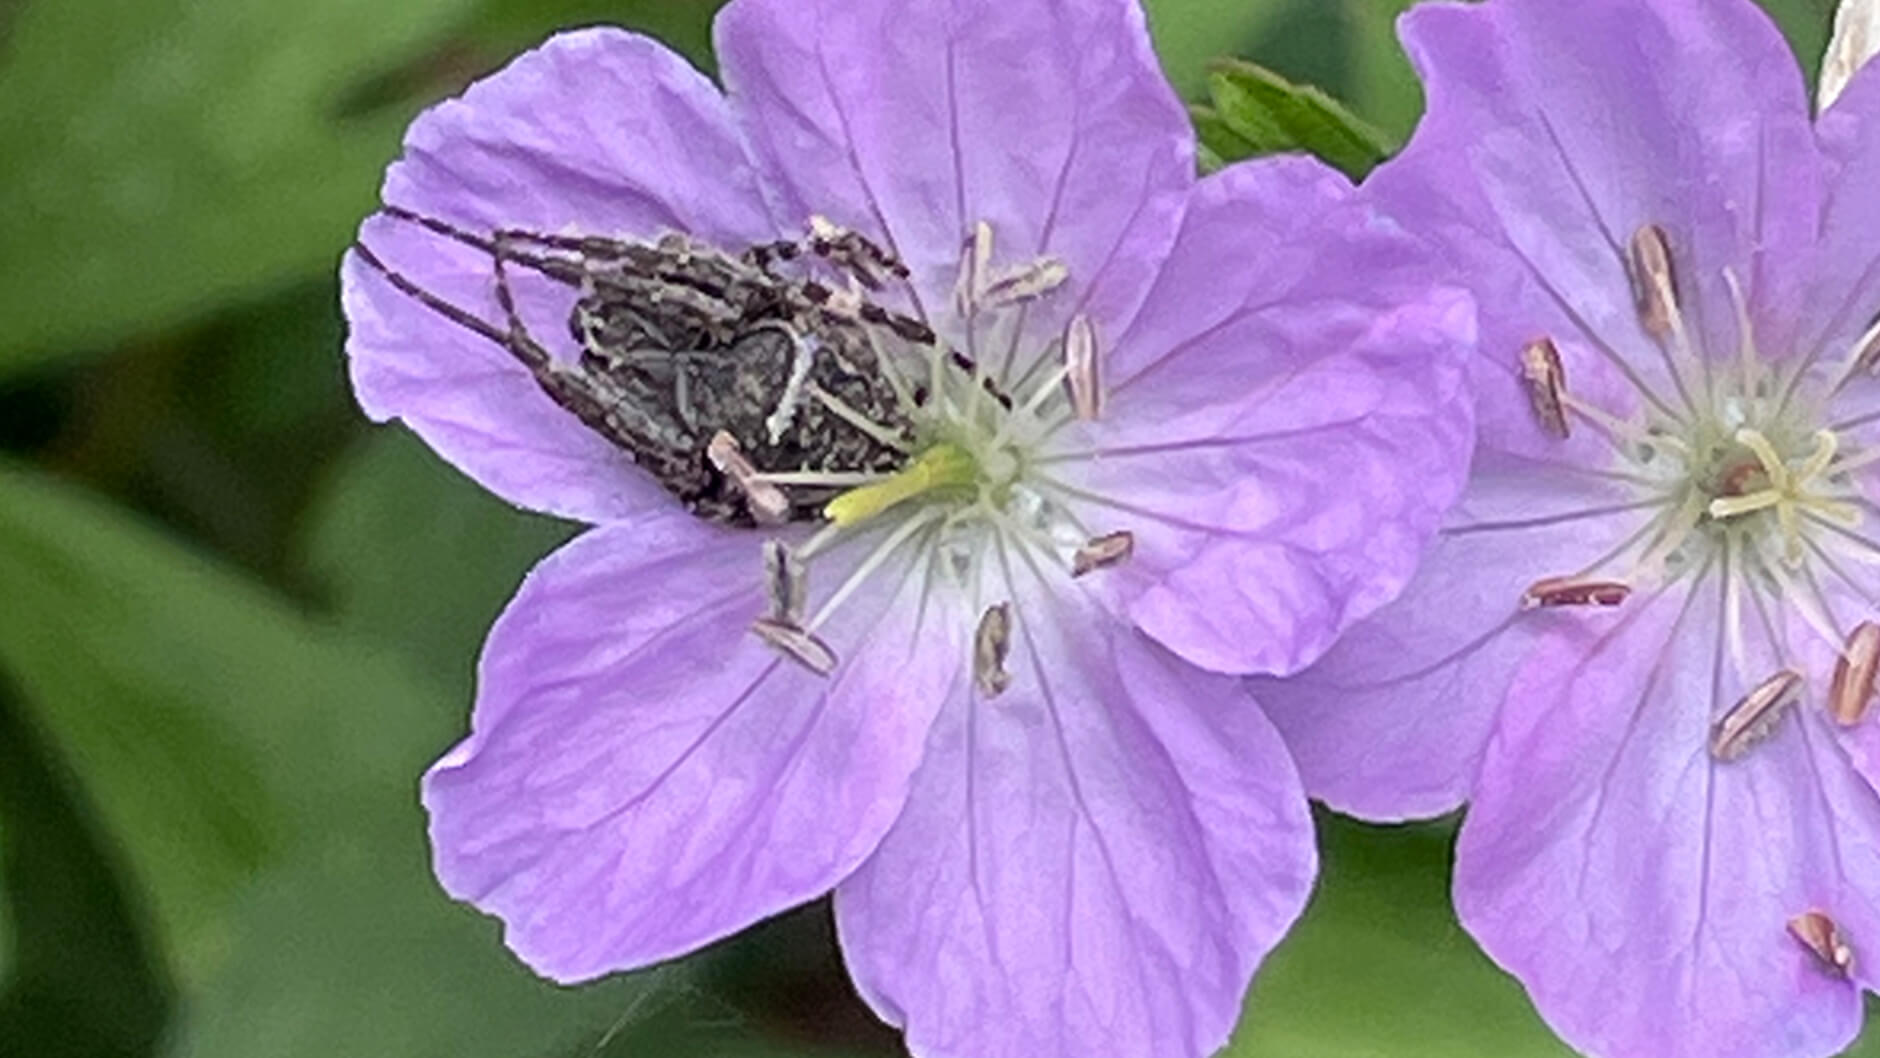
(6, 910)
(84, 981)
(167, 157)
(1257, 112)
(1868, 1045)
(167, 686)
(1217, 143)
(1378, 967)
(356, 952)
(1806, 24)
(682, 25)
(411, 552)
(163, 155)
(698, 1024)
(1348, 48)
(1190, 33)
(258, 769)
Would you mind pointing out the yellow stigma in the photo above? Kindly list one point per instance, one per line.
(1788, 492)
(939, 467)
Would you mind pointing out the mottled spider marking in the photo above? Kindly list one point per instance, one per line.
(680, 341)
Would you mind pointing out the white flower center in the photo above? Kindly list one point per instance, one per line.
(969, 492)
(1748, 475)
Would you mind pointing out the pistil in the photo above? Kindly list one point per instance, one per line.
(1789, 493)
(942, 466)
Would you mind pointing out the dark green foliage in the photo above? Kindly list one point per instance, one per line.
(84, 980)
(1257, 112)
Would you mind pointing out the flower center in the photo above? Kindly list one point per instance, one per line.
(965, 491)
(1771, 482)
(1747, 475)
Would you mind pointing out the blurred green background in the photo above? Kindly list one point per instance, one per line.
(236, 621)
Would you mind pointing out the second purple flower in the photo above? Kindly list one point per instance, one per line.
(1644, 649)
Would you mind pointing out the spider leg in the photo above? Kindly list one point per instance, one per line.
(561, 271)
(516, 340)
(845, 249)
(765, 254)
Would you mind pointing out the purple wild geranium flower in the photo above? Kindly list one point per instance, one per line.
(933, 419)
(1644, 647)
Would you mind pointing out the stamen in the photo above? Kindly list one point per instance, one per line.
(820, 542)
(1080, 362)
(1546, 383)
(1103, 552)
(1852, 693)
(1821, 935)
(1655, 295)
(1026, 282)
(787, 582)
(992, 641)
(797, 644)
(1619, 431)
(1654, 282)
(1678, 527)
(1856, 422)
(1854, 462)
(1550, 592)
(1746, 333)
(1046, 388)
(942, 466)
(1808, 605)
(867, 567)
(1734, 629)
(1867, 350)
(767, 502)
(975, 263)
(1754, 719)
(835, 479)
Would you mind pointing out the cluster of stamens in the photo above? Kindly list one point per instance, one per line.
(1748, 476)
(966, 487)
(1740, 486)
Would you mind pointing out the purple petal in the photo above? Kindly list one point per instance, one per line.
(1847, 283)
(1093, 862)
(1847, 596)
(598, 131)
(644, 776)
(913, 120)
(1555, 131)
(1287, 421)
(1391, 723)
(1863, 750)
(1642, 891)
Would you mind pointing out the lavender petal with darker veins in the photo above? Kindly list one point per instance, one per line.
(1643, 648)
(1157, 432)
